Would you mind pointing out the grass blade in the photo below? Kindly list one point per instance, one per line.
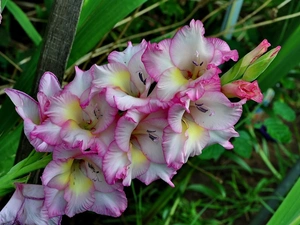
(289, 210)
(283, 63)
(25, 23)
(96, 19)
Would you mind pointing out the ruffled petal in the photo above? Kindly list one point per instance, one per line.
(25, 206)
(138, 73)
(197, 139)
(157, 59)
(222, 137)
(110, 204)
(125, 56)
(173, 147)
(190, 47)
(115, 164)
(171, 82)
(57, 174)
(37, 143)
(65, 107)
(113, 75)
(46, 132)
(49, 85)
(214, 111)
(123, 101)
(55, 202)
(126, 124)
(175, 114)
(8, 214)
(26, 106)
(76, 137)
(139, 164)
(149, 135)
(222, 52)
(81, 82)
(80, 192)
(158, 171)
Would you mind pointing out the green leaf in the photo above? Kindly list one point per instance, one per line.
(212, 152)
(289, 210)
(277, 130)
(204, 190)
(96, 19)
(283, 63)
(243, 145)
(284, 111)
(238, 160)
(25, 23)
(288, 83)
(8, 147)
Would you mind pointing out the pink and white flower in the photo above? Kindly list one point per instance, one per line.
(125, 79)
(197, 121)
(26, 206)
(137, 150)
(74, 183)
(177, 63)
(33, 113)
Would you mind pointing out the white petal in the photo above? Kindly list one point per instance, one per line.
(157, 171)
(189, 45)
(26, 106)
(110, 204)
(214, 111)
(49, 85)
(81, 82)
(157, 59)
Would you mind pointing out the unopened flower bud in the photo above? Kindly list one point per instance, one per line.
(243, 90)
(237, 71)
(260, 65)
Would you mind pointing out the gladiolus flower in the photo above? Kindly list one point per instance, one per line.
(33, 113)
(177, 63)
(243, 89)
(199, 122)
(26, 206)
(124, 78)
(137, 151)
(74, 183)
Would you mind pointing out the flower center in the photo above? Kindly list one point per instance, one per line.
(90, 118)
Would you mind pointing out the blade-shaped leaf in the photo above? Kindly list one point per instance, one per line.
(96, 19)
(283, 63)
(289, 210)
(25, 23)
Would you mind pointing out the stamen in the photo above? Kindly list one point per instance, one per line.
(200, 108)
(195, 63)
(201, 64)
(141, 78)
(97, 113)
(152, 135)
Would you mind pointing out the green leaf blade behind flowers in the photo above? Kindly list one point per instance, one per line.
(289, 210)
(212, 152)
(96, 19)
(24, 22)
(243, 145)
(278, 130)
(284, 111)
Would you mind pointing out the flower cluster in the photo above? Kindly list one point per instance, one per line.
(140, 116)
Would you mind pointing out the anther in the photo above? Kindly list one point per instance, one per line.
(200, 108)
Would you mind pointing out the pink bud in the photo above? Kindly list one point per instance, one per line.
(256, 53)
(243, 89)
